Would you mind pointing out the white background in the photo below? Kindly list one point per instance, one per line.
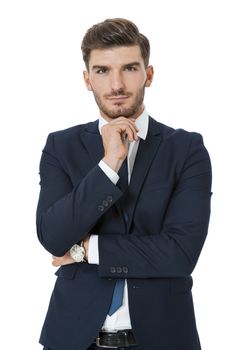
(42, 91)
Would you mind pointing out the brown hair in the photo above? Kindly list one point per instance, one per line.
(114, 32)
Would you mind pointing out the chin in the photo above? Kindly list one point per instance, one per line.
(121, 112)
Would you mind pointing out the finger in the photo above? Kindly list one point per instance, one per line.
(126, 133)
(129, 131)
(133, 129)
(126, 121)
(57, 260)
(121, 120)
(54, 263)
(123, 125)
(130, 134)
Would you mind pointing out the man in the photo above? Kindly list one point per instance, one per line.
(124, 210)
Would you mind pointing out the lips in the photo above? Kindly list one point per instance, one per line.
(118, 98)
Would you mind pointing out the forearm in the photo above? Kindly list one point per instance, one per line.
(69, 219)
(171, 253)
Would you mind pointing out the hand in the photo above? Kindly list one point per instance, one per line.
(66, 259)
(116, 135)
(63, 260)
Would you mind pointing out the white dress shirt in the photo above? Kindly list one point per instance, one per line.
(121, 318)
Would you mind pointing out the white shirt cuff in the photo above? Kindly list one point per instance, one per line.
(109, 172)
(93, 250)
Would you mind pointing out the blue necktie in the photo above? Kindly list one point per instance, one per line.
(117, 297)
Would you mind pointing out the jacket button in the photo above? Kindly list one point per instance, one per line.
(119, 269)
(125, 269)
(112, 269)
(105, 203)
(126, 216)
(100, 208)
(109, 199)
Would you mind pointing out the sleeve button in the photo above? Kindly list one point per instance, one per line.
(125, 269)
(109, 199)
(100, 208)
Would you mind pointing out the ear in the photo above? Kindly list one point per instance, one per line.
(87, 80)
(149, 75)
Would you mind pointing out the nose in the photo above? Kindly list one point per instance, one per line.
(117, 81)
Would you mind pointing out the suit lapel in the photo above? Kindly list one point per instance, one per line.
(92, 141)
(146, 153)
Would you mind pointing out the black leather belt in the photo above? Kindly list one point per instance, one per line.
(120, 339)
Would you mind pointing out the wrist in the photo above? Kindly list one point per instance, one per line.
(86, 246)
(114, 163)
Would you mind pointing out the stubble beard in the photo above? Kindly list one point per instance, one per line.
(120, 110)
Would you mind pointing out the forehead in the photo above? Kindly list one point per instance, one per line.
(115, 56)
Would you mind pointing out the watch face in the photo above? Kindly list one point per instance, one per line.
(77, 253)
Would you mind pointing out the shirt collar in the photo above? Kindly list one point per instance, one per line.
(142, 123)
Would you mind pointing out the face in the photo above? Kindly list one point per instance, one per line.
(118, 77)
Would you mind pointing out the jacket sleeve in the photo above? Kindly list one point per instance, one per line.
(66, 213)
(174, 251)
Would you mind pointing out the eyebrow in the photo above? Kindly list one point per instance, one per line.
(135, 63)
(99, 67)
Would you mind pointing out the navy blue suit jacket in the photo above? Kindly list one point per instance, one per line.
(168, 208)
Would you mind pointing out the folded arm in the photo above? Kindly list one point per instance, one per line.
(67, 213)
(174, 250)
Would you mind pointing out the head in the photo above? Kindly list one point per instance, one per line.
(116, 56)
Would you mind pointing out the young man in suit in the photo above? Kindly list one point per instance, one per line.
(124, 210)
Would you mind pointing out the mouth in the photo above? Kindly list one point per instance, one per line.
(118, 99)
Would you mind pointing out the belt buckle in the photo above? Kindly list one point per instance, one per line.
(104, 346)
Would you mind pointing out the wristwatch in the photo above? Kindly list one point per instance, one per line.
(77, 253)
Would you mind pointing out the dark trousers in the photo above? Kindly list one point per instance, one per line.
(95, 347)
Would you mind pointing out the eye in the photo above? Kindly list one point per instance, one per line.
(101, 70)
(130, 68)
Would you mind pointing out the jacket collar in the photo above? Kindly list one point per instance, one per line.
(153, 129)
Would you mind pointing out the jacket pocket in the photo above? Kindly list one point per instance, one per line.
(67, 271)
